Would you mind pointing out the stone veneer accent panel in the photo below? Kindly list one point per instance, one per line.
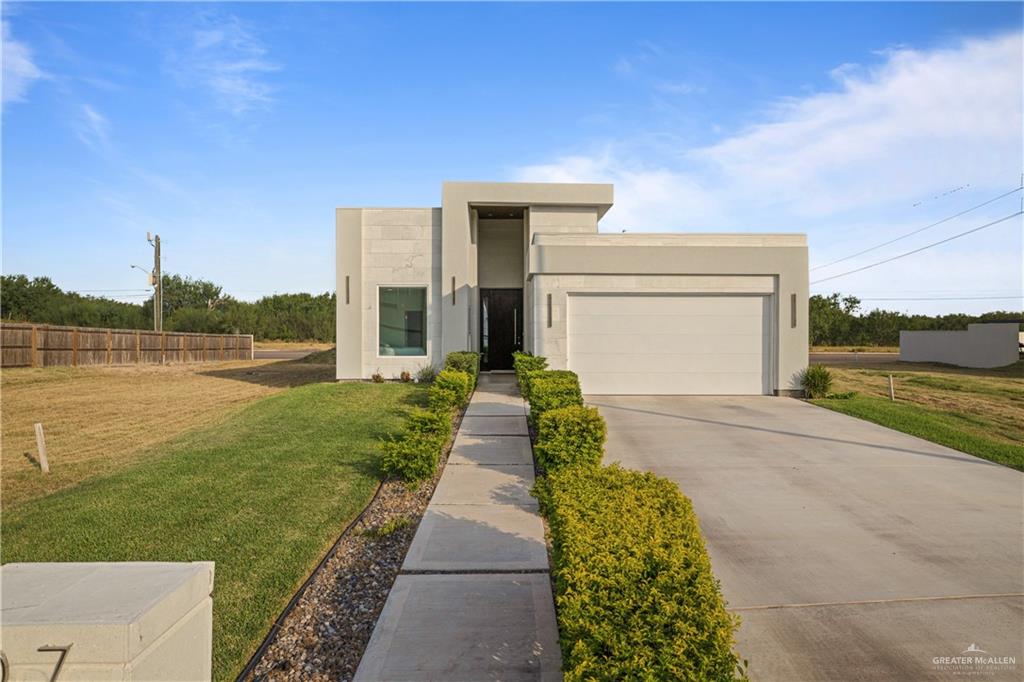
(401, 247)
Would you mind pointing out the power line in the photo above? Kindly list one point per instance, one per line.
(920, 229)
(950, 298)
(918, 250)
(80, 291)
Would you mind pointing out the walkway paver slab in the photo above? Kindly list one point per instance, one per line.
(465, 628)
(496, 405)
(494, 426)
(498, 382)
(499, 484)
(491, 450)
(489, 537)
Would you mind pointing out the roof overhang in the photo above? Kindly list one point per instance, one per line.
(599, 196)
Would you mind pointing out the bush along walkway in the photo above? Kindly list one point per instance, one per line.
(325, 628)
(634, 590)
(473, 600)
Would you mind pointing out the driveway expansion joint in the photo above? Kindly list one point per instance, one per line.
(865, 602)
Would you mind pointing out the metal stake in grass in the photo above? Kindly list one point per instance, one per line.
(41, 446)
(892, 391)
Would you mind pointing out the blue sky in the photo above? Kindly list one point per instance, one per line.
(234, 130)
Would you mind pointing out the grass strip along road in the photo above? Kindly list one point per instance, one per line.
(263, 494)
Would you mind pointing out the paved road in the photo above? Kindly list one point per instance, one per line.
(850, 551)
(852, 358)
(282, 354)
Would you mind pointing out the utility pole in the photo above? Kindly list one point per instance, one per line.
(158, 283)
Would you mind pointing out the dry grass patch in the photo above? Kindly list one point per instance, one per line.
(99, 419)
(292, 345)
(988, 402)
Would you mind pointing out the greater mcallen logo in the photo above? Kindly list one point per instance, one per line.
(974, 661)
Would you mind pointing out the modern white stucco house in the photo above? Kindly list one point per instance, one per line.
(507, 266)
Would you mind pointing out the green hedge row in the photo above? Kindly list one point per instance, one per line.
(524, 363)
(550, 389)
(634, 589)
(414, 456)
(633, 583)
(568, 436)
(464, 361)
(451, 389)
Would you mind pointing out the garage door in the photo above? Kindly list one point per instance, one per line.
(669, 344)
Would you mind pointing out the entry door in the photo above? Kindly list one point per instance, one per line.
(501, 327)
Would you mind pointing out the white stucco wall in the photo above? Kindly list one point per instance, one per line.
(683, 263)
(500, 253)
(981, 345)
(563, 220)
(400, 247)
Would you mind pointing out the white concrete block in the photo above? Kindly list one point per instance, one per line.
(121, 621)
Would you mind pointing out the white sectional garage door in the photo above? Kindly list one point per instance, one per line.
(669, 344)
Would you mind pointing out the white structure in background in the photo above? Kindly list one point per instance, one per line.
(982, 345)
(107, 621)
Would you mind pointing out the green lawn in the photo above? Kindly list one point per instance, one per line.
(959, 430)
(263, 494)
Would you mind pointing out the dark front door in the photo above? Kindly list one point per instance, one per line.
(501, 327)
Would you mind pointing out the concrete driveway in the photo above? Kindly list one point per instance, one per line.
(850, 551)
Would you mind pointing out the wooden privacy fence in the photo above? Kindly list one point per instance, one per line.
(43, 345)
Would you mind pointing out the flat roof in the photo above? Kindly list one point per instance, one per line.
(673, 239)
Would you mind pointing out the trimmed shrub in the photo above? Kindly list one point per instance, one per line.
(633, 583)
(458, 382)
(464, 361)
(569, 436)
(528, 377)
(524, 363)
(552, 389)
(817, 381)
(441, 400)
(412, 458)
(430, 423)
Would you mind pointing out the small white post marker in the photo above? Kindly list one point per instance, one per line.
(41, 446)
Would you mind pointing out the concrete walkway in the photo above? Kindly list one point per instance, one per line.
(473, 601)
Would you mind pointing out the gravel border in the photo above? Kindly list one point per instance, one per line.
(324, 634)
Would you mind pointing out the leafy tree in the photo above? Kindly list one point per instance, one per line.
(835, 321)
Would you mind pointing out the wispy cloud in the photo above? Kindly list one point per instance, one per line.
(646, 51)
(678, 88)
(92, 128)
(843, 165)
(19, 69)
(224, 57)
(907, 128)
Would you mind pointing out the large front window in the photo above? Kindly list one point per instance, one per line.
(402, 322)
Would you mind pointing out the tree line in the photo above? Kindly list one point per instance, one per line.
(190, 305)
(836, 320)
(196, 305)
